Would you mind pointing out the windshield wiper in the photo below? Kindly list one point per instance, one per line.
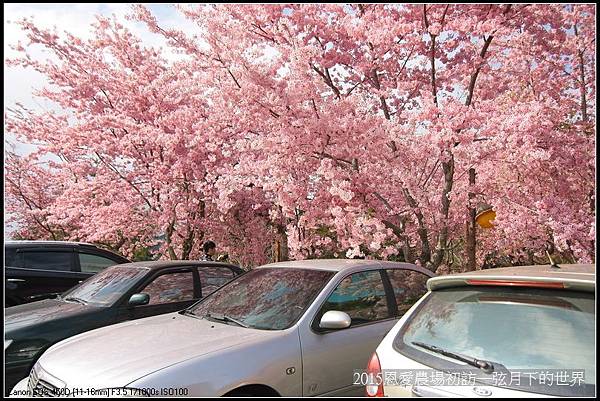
(224, 318)
(78, 300)
(486, 366)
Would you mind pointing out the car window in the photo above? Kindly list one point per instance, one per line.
(522, 329)
(47, 260)
(94, 263)
(409, 286)
(106, 287)
(213, 277)
(10, 257)
(362, 296)
(171, 287)
(266, 298)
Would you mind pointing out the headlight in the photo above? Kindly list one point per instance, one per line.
(21, 351)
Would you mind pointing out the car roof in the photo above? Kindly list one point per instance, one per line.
(42, 242)
(572, 276)
(45, 245)
(337, 265)
(162, 264)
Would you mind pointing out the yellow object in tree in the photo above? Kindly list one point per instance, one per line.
(485, 217)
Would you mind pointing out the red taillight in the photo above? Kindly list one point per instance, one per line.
(536, 284)
(375, 386)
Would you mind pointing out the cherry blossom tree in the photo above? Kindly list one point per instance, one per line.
(32, 190)
(139, 154)
(336, 130)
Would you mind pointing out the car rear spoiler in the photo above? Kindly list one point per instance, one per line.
(576, 284)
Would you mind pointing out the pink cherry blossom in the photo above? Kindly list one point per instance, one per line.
(329, 130)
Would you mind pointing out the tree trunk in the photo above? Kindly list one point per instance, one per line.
(187, 245)
(441, 248)
(471, 239)
(582, 83)
(168, 234)
(281, 252)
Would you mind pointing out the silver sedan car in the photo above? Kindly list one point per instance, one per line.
(300, 328)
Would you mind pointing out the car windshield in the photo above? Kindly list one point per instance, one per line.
(522, 329)
(106, 287)
(267, 298)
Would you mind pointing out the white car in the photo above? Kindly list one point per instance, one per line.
(509, 332)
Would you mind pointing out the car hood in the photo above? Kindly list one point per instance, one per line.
(114, 356)
(41, 312)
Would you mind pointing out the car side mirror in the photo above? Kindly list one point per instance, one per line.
(335, 320)
(139, 299)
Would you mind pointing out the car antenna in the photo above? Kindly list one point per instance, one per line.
(552, 264)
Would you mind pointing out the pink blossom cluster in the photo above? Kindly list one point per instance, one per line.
(331, 130)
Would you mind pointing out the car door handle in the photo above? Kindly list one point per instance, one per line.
(16, 280)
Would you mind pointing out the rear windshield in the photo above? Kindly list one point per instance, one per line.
(521, 329)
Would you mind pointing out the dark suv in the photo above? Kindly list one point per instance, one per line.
(35, 270)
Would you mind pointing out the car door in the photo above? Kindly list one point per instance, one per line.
(44, 272)
(331, 357)
(169, 290)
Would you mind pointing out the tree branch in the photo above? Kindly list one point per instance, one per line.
(327, 78)
(114, 169)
